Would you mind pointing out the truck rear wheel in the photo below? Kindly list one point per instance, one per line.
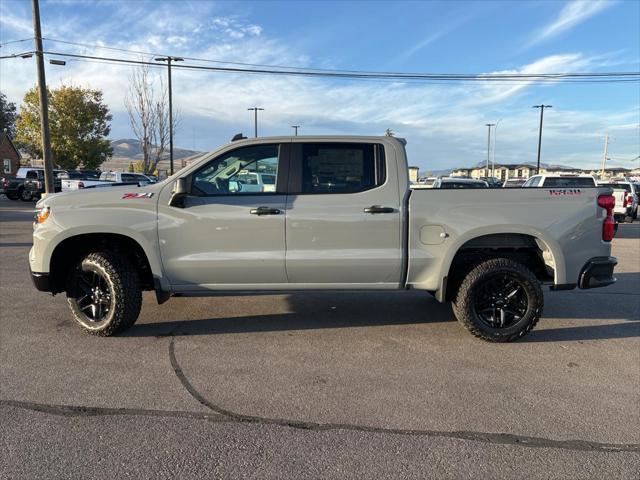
(500, 300)
(104, 294)
(24, 194)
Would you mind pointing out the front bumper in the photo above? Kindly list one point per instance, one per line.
(41, 281)
(598, 272)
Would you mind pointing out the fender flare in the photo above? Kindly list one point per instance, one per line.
(543, 239)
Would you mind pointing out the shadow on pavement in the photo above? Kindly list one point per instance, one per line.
(315, 311)
(628, 230)
(343, 310)
(588, 332)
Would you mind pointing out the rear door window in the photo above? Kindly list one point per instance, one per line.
(341, 167)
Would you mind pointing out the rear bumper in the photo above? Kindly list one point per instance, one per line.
(598, 272)
(41, 281)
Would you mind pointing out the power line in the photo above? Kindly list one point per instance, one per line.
(399, 75)
(609, 77)
(16, 41)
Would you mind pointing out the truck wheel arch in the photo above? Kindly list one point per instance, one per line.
(69, 250)
(511, 243)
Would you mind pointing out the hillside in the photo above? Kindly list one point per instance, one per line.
(127, 150)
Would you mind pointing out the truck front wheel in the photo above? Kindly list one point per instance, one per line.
(500, 300)
(104, 294)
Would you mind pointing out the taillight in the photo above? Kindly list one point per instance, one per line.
(608, 202)
(626, 200)
(39, 183)
(80, 184)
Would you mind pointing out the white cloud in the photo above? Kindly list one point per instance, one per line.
(561, 63)
(434, 36)
(571, 15)
(15, 24)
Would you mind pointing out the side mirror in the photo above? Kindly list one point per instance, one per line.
(179, 193)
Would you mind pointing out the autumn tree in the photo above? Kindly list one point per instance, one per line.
(149, 116)
(78, 124)
(7, 116)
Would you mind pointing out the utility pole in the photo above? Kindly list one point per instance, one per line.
(295, 128)
(255, 119)
(604, 155)
(47, 156)
(169, 60)
(489, 125)
(541, 107)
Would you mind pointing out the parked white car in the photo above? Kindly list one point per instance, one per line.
(108, 179)
(626, 195)
(254, 182)
(424, 182)
(560, 181)
(516, 182)
(457, 182)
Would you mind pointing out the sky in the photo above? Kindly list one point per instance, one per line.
(444, 124)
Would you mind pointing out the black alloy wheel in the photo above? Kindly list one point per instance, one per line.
(501, 301)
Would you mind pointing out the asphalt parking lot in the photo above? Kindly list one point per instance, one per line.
(317, 385)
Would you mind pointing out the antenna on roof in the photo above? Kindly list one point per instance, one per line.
(238, 136)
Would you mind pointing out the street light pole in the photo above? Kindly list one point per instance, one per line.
(295, 128)
(47, 157)
(604, 156)
(541, 107)
(493, 154)
(255, 119)
(169, 60)
(489, 125)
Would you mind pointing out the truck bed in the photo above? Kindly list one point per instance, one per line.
(566, 222)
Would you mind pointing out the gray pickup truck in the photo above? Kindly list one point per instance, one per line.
(341, 216)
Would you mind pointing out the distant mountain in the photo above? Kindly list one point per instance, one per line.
(130, 148)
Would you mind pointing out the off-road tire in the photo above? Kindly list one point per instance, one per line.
(464, 303)
(25, 195)
(125, 291)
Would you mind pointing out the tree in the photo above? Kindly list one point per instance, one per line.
(149, 116)
(78, 124)
(130, 168)
(7, 116)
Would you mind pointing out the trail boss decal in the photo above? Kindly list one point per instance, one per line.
(128, 196)
(565, 191)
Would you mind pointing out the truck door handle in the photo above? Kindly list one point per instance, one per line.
(265, 211)
(378, 209)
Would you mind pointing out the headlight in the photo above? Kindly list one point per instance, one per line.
(42, 214)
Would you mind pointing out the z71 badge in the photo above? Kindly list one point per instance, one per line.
(565, 191)
(128, 196)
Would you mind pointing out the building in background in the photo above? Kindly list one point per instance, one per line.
(9, 156)
(413, 174)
